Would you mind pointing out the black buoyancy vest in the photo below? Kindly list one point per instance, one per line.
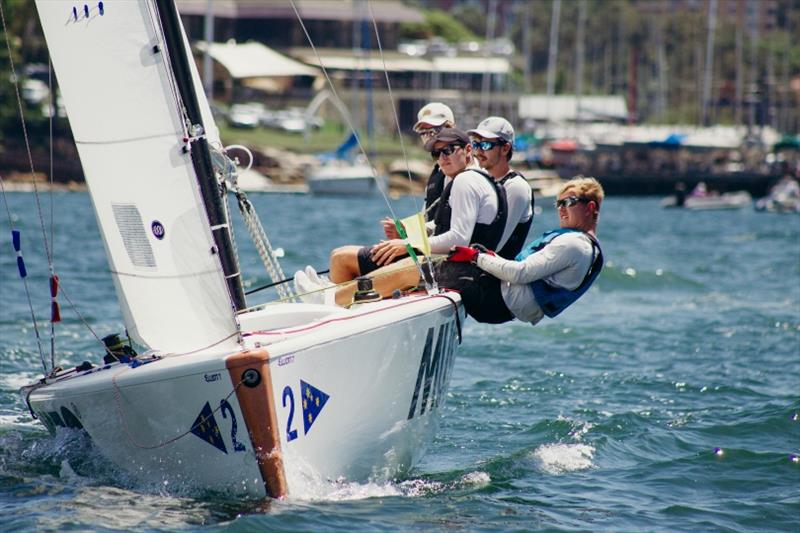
(433, 192)
(516, 240)
(488, 235)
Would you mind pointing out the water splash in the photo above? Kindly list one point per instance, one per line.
(560, 458)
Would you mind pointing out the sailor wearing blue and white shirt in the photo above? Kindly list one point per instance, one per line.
(549, 274)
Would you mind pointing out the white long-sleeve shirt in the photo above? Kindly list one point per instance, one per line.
(473, 200)
(564, 263)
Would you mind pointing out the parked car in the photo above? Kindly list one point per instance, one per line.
(246, 115)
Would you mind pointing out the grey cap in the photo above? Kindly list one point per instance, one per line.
(495, 128)
(448, 135)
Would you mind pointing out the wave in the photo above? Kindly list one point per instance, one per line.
(628, 277)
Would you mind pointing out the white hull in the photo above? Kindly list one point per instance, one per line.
(378, 371)
(728, 200)
(345, 179)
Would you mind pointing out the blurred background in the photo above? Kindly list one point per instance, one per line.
(643, 94)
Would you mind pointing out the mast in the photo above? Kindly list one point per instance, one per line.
(552, 56)
(208, 35)
(201, 159)
(579, 58)
(709, 63)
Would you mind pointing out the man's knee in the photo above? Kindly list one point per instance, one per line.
(344, 263)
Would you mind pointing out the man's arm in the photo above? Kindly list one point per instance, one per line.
(465, 198)
(559, 255)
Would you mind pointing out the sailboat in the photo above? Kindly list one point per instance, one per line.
(342, 174)
(257, 401)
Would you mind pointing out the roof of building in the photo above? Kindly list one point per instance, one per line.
(452, 65)
(563, 108)
(254, 60)
(346, 10)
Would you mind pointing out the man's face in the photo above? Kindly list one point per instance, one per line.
(427, 132)
(575, 211)
(492, 156)
(453, 163)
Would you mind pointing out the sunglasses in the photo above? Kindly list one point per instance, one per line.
(427, 133)
(447, 150)
(485, 146)
(569, 201)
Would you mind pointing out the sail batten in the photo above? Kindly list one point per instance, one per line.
(121, 101)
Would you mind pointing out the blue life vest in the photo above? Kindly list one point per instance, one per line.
(553, 300)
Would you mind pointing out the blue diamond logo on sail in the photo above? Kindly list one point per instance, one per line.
(313, 402)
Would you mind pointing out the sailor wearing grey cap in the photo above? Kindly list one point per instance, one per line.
(493, 144)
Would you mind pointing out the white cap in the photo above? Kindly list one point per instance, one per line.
(435, 114)
(495, 128)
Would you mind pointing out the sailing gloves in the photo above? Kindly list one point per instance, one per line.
(467, 254)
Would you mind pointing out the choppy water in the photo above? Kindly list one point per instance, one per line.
(606, 418)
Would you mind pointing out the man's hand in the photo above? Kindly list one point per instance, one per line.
(385, 252)
(390, 229)
(463, 254)
(482, 249)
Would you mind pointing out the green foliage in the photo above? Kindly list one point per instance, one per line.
(437, 24)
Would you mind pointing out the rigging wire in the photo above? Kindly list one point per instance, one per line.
(391, 99)
(51, 107)
(431, 287)
(16, 235)
(346, 117)
(27, 141)
(158, 33)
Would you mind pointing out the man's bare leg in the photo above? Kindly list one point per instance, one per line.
(344, 264)
(400, 275)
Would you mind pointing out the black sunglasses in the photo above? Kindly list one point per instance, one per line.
(569, 201)
(447, 150)
(485, 146)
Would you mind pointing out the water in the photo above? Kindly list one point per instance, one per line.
(606, 418)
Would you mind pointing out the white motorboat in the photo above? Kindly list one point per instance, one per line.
(727, 200)
(249, 401)
(250, 180)
(545, 185)
(344, 177)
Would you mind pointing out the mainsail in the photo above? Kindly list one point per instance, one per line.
(127, 117)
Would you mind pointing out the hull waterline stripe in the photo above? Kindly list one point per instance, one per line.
(257, 404)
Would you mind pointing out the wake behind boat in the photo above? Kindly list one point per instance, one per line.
(250, 401)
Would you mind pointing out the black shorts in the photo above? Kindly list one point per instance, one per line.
(365, 262)
(480, 291)
(367, 265)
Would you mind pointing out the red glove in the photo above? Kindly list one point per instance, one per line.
(463, 254)
(482, 249)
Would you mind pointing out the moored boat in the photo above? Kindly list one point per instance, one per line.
(727, 200)
(345, 177)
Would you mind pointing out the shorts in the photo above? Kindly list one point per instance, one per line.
(365, 262)
(480, 292)
(367, 265)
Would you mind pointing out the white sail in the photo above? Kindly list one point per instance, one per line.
(116, 84)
